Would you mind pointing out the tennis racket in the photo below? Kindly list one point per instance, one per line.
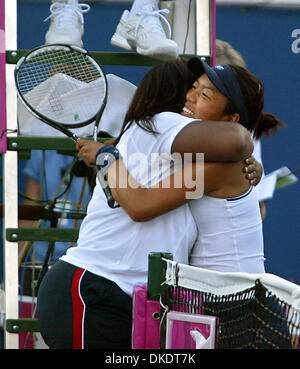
(64, 87)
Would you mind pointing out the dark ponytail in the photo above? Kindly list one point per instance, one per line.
(261, 123)
(266, 124)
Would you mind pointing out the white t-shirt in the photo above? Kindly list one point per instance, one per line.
(119, 91)
(230, 236)
(115, 247)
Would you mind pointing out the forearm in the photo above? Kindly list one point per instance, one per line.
(141, 203)
(219, 141)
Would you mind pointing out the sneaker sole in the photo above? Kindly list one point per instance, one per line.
(119, 41)
(54, 38)
(164, 53)
(64, 41)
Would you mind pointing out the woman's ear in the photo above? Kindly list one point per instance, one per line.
(235, 117)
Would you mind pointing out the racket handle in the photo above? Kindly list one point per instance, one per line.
(95, 133)
(73, 136)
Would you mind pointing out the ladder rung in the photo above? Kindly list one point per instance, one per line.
(22, 325)
(103, 58)
(61, 144)
(39, 143)
(42, 234)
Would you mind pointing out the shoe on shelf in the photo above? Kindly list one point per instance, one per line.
(66, 23)
(119, 37)
(144, 33)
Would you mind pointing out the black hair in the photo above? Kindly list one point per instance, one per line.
(163, 88)
(261, 123)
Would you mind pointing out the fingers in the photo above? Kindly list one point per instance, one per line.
(250, 160)
(253, 178)
(81, 142)
(251, 173)
(250, 168)
(78, 144)
(87, 150)
(254, 182)
(87, 145)
(83, 151)
(253, 169)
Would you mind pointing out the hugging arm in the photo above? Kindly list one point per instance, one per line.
(219, 141)
(191, 181)
(141, 203)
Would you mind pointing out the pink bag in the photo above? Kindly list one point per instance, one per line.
(145, 320)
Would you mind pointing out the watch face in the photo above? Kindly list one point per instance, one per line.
(106, 158)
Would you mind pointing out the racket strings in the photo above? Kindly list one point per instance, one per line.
(64, 86)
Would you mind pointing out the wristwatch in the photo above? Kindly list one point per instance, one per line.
(104, 158)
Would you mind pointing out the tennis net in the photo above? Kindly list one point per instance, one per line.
(254, 311)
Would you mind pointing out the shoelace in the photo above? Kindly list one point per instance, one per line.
(157, 14)
(66, 14)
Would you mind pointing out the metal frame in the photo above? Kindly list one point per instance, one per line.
(17, 145)
(193, 25)
(10, 183)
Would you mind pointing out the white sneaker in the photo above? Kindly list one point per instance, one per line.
(67, 21)
(119, 37)
(144, 33)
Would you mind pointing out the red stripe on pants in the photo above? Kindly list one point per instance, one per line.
(78, 310)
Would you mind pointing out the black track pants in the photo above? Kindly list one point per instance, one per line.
(78, 309)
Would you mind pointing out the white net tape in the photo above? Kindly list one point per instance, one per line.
(224, 283)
